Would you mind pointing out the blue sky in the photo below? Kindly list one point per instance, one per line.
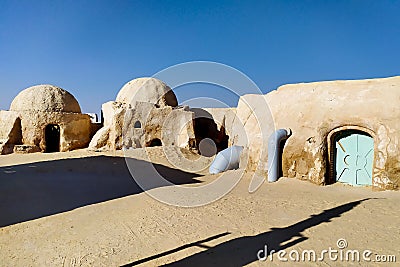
(92, 48)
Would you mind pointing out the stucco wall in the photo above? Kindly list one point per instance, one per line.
(223, 117)
(173, 126)
(74, 128)
(10, 132)
(313, 110)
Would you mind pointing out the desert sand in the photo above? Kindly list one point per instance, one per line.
(83, 208)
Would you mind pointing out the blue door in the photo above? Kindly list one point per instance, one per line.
(354, 158)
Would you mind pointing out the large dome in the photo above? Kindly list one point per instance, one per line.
(149, 90)
(45, 98)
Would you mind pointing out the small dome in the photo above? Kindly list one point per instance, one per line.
(149, 90)
(45, 98)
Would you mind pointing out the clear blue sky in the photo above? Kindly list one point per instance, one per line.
(92, 48)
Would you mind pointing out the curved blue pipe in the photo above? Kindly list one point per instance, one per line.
(227, 159)
(274, 149)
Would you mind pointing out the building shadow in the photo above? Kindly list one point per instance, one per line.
(35, 190)
(199, 243)
(243, 250)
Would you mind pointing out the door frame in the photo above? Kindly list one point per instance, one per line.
(330, 177)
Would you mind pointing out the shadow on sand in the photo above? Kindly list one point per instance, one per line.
(243, 250)
(35, 190)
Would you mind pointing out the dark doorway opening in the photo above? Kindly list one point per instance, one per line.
(206, 128)
(52, 137)
(281, 147)
(154, 142)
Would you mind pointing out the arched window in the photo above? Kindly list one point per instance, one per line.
(137, 124)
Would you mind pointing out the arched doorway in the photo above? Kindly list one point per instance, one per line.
(52, 138)
(351, 156)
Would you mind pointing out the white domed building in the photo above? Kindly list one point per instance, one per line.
(44, 118)
(149, 90)
(145, 113)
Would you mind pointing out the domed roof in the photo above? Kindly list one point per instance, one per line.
(45, 98)
(149, 90)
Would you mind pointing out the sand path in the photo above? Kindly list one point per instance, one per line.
(83, 209)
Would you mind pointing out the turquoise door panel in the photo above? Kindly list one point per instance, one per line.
(354, 159)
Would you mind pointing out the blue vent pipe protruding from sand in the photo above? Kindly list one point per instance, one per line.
(274, 143)
(227, 159)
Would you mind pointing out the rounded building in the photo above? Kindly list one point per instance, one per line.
(45, 98)
(44, 118)
(144, 113)
(149, 90)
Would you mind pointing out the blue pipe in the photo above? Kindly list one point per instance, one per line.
(274, 149)
(227, 159)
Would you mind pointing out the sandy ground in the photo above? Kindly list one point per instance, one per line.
(83, 208)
